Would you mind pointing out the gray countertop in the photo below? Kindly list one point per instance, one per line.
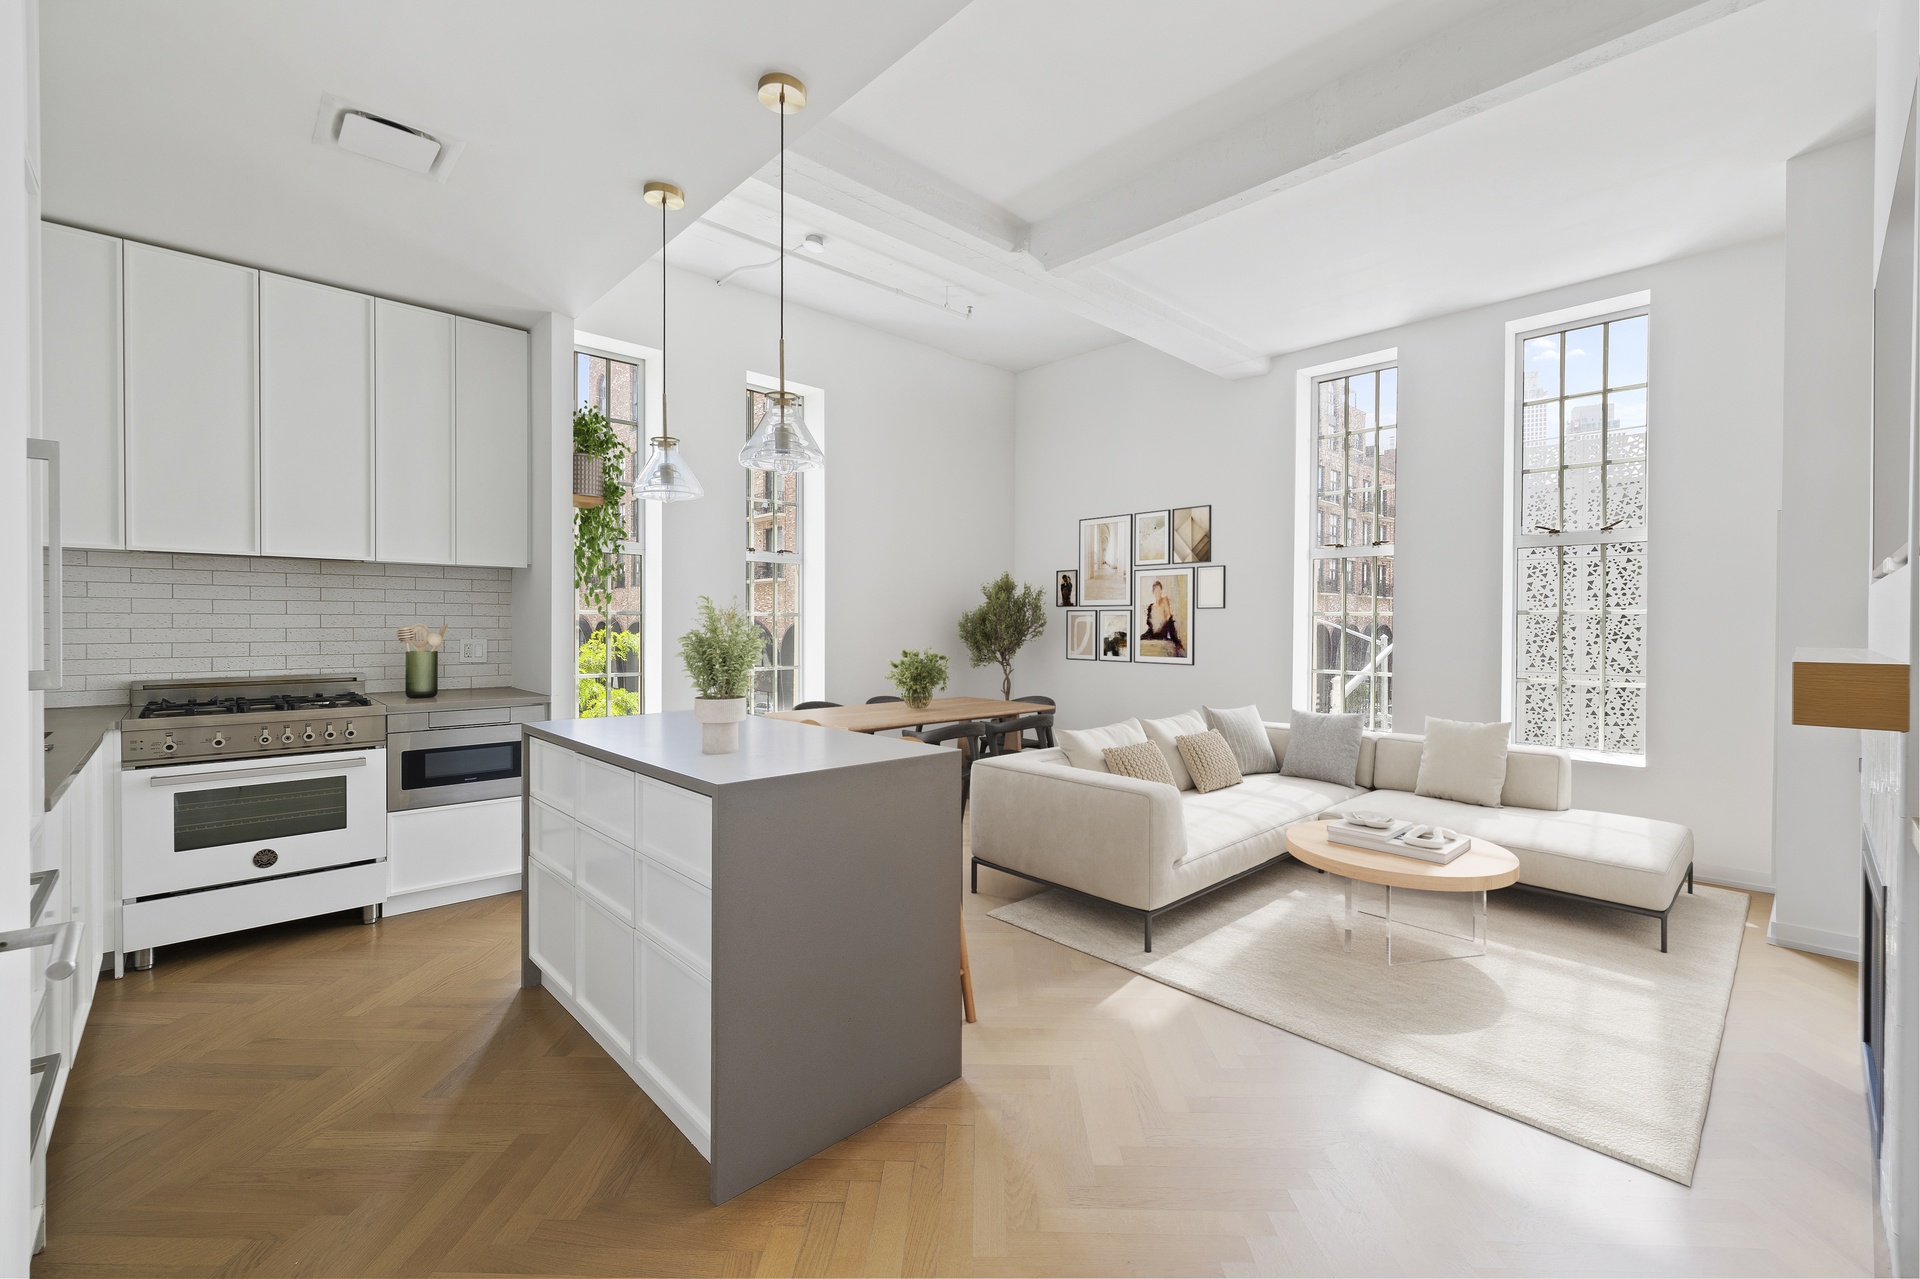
(74, 733)
(667, 746)
(459, 699)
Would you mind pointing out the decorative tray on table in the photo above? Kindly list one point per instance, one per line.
(1390, 835)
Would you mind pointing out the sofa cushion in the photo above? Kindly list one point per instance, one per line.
(1466, 762)
(1139, 759)
(1324, 747)
(1246, 736)
(1085, 747)
(1537, 776)
(1209, 761)
(1636, 861)
(1260, 805)
(1164, 732)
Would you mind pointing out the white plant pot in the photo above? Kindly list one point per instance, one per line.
(719, 719)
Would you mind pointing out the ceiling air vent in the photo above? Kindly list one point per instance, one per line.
(382, 139)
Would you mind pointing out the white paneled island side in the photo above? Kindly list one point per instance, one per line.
(767, 941)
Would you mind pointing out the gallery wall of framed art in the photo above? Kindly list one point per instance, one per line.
(1136, 585)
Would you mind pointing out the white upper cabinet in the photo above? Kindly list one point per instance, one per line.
(192, 403)
(316, 420)
(413, 432)
(82, 400)
(490, 445)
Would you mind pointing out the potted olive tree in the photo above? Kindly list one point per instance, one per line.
(720, 655)
(1002, 625)
(917, 675)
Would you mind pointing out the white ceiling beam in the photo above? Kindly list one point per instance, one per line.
(851, 175)
(1495, 57)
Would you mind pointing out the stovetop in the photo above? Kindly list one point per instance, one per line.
(183, 721)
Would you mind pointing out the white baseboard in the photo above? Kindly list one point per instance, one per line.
(448, 894)
(1740, 879)
(1820, 941)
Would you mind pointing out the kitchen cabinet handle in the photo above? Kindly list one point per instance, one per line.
(65, 939)
(43, 882)
(48, 1070)
(250, 774)
(50, 675)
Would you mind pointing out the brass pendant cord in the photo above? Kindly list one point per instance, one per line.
(663, 320)
(783, 244)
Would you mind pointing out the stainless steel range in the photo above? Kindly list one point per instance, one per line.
(176, 721)
(248, 802)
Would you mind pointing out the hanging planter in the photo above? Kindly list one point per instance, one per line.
(589, 490)
(598, 526)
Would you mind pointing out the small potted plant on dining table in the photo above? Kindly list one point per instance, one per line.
(720, 655)
(917, 675)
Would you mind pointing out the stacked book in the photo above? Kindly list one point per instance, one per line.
(1407, 839)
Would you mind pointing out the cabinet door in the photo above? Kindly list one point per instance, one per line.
(316, 420)
(674, 1021)
(82, 397)
(490, 445)
(192, 358)
(605, 988)
(553, 928)
(413, 434)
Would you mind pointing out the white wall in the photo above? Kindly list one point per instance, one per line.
(919, 449)
(543, 659)
(1823, 537)
(1127, 429)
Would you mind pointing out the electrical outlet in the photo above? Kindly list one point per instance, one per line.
(473, 650)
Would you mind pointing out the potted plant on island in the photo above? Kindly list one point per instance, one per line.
(1001, 626)
(917, 675)
(720, 655)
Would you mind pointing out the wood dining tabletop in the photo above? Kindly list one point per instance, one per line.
(878, 717)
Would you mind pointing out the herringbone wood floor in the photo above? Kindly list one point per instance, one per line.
(327, 1099)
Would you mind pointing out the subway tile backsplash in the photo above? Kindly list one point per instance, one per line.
(139, 615)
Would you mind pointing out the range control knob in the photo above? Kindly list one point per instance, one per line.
(266, 737)
(287, 736)
(308, 735)
(169, 746)
(330, 732)
(350, 732)
(218, 741)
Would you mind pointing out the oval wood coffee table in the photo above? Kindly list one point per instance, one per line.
(1484, 865)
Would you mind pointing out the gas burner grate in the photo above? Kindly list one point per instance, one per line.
(164, 708)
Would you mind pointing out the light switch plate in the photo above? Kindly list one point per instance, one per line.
(473, 650)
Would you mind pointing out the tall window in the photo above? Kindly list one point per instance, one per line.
(1355, 444)
(773, 576)
(1581, 538)
(609, 644)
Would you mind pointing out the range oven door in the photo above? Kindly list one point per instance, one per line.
(198, 826)
(452, 765)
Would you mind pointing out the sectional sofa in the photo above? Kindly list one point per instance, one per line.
(1151, 848)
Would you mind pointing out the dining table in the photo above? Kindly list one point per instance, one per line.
(879, 717)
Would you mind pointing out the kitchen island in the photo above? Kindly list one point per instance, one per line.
(767, 941)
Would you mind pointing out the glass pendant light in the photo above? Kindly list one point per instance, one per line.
(781, 440)
(666, 476)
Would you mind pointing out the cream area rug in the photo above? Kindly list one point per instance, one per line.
(1573, 1021)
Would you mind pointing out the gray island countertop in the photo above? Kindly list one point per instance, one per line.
(667, 747)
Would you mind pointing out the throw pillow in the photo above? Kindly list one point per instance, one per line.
(1164, 732)
(1210, 760)
(1325, 748)
(1464, 762)
(1141, 759)
(1085, 746)
(1246, 735)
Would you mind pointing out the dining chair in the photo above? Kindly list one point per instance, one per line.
(1040, 724)
(1043, 733)
(970, 734)
(815, 706)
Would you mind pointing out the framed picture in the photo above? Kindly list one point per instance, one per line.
(1192, 534)
(1106, 552)
(1066, 588)
(1210, 586)
(1164, 616)
(1116, 635)
(1150, 537)
(1082, 641)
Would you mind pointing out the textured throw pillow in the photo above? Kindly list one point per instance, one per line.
(1142, 760)
(1164, 732)
(1325, 748)
(1085, 747)
(1246, 735)
(1464, 762)
(1210, 760)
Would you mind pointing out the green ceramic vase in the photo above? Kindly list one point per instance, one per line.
(423, 673)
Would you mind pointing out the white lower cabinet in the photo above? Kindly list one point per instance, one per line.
(451, 853)
(620, 921)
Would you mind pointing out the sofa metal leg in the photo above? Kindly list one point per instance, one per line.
(1149, 919)
(1663, 932)
(976, 875)
(1689, 876)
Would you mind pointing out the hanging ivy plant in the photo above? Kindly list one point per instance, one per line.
(598, 531)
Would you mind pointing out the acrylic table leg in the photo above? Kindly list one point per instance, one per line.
(1480, 920)
(1347, 942)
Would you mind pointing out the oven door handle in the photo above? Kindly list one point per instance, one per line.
(287, 770)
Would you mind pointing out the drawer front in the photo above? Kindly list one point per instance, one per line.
(675, 1024)
(550, 838)
(678, 830)
(677, 912)
(607, 972)
(555, 775)
(606, 798)
(552, 926)
(604, 870)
